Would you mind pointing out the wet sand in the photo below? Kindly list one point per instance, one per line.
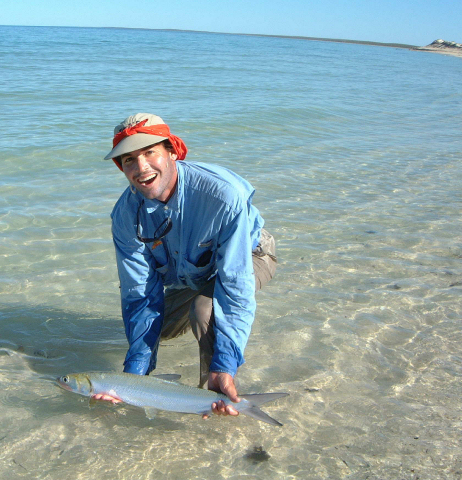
(455, 52)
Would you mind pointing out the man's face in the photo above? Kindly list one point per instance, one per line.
(152, 171)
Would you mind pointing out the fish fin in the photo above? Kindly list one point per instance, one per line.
(171, 377)
(255, 412)
(92, 402)
(259, 399)
(151, 412)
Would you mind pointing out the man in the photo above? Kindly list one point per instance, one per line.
(191, 252)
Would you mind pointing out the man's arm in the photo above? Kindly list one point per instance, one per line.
(234, 295)
(142, 297)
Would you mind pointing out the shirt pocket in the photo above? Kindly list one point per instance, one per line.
(160, 259)
(202, 265)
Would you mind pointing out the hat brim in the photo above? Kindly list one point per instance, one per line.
(132, 143)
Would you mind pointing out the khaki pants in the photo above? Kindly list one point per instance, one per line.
(187, 308)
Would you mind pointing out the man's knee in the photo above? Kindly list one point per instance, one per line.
(264, 260)
(201, 312)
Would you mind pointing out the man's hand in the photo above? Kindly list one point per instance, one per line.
(223, 383)
(107, 398)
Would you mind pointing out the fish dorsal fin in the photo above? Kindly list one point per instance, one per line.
(171, 377)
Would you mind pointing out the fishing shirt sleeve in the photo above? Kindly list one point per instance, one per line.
(234, 296)
(141, 291)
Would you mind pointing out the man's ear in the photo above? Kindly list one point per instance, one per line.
(174, 156)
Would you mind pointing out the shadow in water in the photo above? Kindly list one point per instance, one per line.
(39, 344)
(53, 340)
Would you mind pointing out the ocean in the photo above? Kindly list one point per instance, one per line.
(355, 154)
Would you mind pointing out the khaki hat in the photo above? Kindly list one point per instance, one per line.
(137, 140)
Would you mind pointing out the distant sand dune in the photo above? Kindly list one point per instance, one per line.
(444, 47)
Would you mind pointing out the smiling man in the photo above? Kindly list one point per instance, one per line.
(191, 252)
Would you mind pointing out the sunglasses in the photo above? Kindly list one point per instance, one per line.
(160, 232)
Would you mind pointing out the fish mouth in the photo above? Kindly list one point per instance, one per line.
(147, 179)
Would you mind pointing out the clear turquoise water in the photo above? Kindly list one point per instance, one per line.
(355, 152)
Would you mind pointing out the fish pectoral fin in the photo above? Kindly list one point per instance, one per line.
(151, 412)
(171, 377)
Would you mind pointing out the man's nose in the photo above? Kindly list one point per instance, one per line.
(141, 161)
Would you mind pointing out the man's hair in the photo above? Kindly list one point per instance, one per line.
(166, 143)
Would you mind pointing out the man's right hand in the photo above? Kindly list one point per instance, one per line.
(224, 383)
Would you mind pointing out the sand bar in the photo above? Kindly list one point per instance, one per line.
(443, 47)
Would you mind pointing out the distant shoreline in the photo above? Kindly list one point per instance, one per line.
(295, 37)
(299, 37)
(442, 49)
(429, 48)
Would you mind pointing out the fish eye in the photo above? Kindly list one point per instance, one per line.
(65, 379)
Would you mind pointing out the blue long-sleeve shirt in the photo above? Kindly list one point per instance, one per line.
(211, 211)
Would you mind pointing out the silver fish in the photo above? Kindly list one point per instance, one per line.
(161, 392)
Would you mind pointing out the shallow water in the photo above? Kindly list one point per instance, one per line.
(355, 152)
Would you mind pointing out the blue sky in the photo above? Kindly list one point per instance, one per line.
(415, 22)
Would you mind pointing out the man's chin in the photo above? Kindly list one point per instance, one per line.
(147, 193)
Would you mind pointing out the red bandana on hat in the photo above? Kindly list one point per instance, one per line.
(160, 130)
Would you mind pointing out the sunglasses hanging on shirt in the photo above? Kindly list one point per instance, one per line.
(160, 232)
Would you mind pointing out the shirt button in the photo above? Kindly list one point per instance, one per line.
(166, 207)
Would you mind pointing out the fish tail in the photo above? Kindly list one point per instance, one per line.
(259, 399)
(255, 412)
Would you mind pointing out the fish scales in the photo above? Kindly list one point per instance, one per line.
(146, 391)
(154, 392)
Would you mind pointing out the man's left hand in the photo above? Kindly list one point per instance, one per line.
(223, 383)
